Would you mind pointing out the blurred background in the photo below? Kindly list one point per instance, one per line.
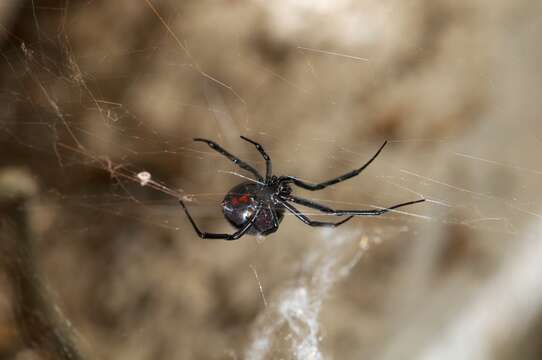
(98, 266)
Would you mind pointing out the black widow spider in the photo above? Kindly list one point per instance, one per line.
(257, 207)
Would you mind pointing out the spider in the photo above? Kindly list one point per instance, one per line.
(257, 207)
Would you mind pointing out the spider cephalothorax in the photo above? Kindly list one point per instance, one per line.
(257, 207)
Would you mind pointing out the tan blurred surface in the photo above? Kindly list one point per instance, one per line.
(94, 91)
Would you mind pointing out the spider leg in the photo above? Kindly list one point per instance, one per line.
(273, 216)
(264, 155)
(336, 180)
(310, 222)
(328, 210)
(275, 221)
(243, 165)
(234, 236)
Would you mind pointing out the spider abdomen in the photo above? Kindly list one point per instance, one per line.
(240, 204)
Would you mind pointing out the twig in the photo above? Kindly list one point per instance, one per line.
(40, 323)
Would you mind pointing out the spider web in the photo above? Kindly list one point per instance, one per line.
(101, 103)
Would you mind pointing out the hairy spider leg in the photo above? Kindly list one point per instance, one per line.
(234, 236)
(331, 211)
(243, 165)
(322, 185)
(264, 155)
(310, 222)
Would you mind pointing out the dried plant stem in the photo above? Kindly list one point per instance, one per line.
(41, 325)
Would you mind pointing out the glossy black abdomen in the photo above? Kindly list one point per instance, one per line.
(241, 202)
